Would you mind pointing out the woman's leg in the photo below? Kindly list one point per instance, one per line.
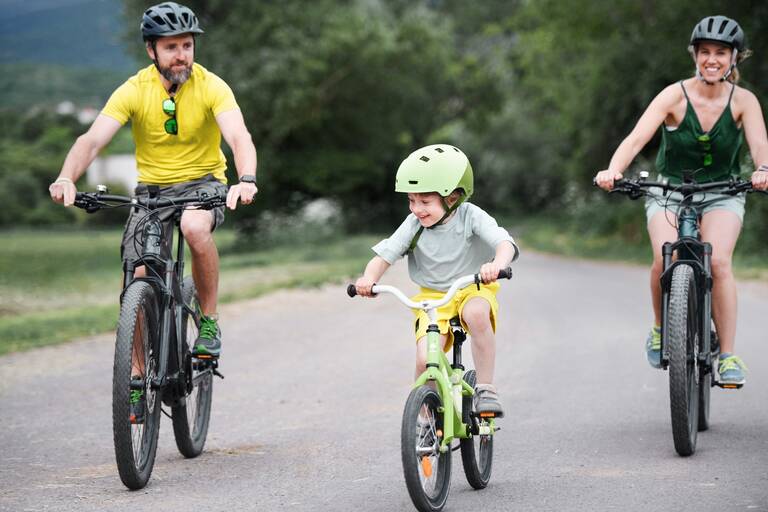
(721, 228)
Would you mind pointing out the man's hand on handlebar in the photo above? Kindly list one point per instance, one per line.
(605, 179)
(63, 190)
(241, 191)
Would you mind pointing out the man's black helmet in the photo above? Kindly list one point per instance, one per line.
(168, 19)
(719, 29)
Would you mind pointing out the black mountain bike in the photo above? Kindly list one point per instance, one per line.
(689, 343)
(159, 321)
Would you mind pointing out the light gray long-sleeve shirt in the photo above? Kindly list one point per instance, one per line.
(458, 247)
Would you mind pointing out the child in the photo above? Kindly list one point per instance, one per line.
(459, 239)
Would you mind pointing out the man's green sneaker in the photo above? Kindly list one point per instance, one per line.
(208, 343)
(730, 371)
(653, 347)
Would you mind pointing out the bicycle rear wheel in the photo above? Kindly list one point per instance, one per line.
(476, 451)
(705, 383)
(192, 415)
(427, 470)
(136, 353)
(683, 338)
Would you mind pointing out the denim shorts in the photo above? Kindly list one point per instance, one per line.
(131, 247)
(703, 202)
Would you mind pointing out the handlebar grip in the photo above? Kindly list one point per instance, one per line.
(351, 290)
(505, 273)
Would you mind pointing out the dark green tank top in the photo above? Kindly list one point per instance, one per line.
(712, 156)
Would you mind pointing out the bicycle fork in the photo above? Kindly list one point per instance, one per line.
(451, 387)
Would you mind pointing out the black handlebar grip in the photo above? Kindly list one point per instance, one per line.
(505, 273)
(351, 290)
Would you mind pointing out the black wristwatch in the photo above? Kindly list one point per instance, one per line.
(248, 178)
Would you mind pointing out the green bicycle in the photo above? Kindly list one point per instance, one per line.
(440, 409)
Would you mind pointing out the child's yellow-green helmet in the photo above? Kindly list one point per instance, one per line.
(439, 168)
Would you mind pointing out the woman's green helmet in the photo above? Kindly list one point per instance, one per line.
(439, 168)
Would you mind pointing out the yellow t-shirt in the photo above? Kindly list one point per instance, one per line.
(195, 151)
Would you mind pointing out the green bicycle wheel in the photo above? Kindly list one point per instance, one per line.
(477, 450)
(427, 470)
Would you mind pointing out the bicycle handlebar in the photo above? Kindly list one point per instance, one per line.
(732, 186)
(94, 201)
(430, 304)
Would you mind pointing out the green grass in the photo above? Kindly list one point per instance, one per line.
(59, 285)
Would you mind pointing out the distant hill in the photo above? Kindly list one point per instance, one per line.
(82, 33)
(57, 50)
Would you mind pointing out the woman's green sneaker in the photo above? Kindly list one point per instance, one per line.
(653, 347)
(730, 371)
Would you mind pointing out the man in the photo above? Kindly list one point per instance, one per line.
(179, 111)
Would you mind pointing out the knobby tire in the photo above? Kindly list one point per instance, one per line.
(684, 339)
(136, 444)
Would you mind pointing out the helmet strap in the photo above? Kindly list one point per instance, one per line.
(448, 211)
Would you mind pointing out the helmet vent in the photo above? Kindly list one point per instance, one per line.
(735, 29)
(424, 159)
(722, 26)
(172, 17)
(439, 150)
(709, 25)
(413, 182)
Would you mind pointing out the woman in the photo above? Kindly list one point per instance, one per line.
(709, 104)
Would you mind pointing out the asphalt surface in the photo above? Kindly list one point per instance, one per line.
(308, 416)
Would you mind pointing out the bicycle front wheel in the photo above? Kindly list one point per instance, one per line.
(427, 470)
(683, 337)
(476, 451)
(136, 426)
(192, 415)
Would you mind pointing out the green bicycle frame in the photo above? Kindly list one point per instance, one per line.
(450, 386)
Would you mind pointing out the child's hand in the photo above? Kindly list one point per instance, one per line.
(490, 272)
(363, 286)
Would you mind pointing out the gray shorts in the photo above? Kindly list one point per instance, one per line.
(131, 246)
(703, 202)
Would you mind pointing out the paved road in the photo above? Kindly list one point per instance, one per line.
(308, 417)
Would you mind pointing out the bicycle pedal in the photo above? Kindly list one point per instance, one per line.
(728, 386)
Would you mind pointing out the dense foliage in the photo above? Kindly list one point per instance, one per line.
(538, 93)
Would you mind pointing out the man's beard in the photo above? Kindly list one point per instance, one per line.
(178, 77)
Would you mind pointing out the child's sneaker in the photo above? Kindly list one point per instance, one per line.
(487, 401)
(730, 370)
(653, 347)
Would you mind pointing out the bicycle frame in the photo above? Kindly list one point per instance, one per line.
(165, 276)
(698, 255)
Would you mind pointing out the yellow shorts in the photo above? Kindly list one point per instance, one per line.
(454, 308)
